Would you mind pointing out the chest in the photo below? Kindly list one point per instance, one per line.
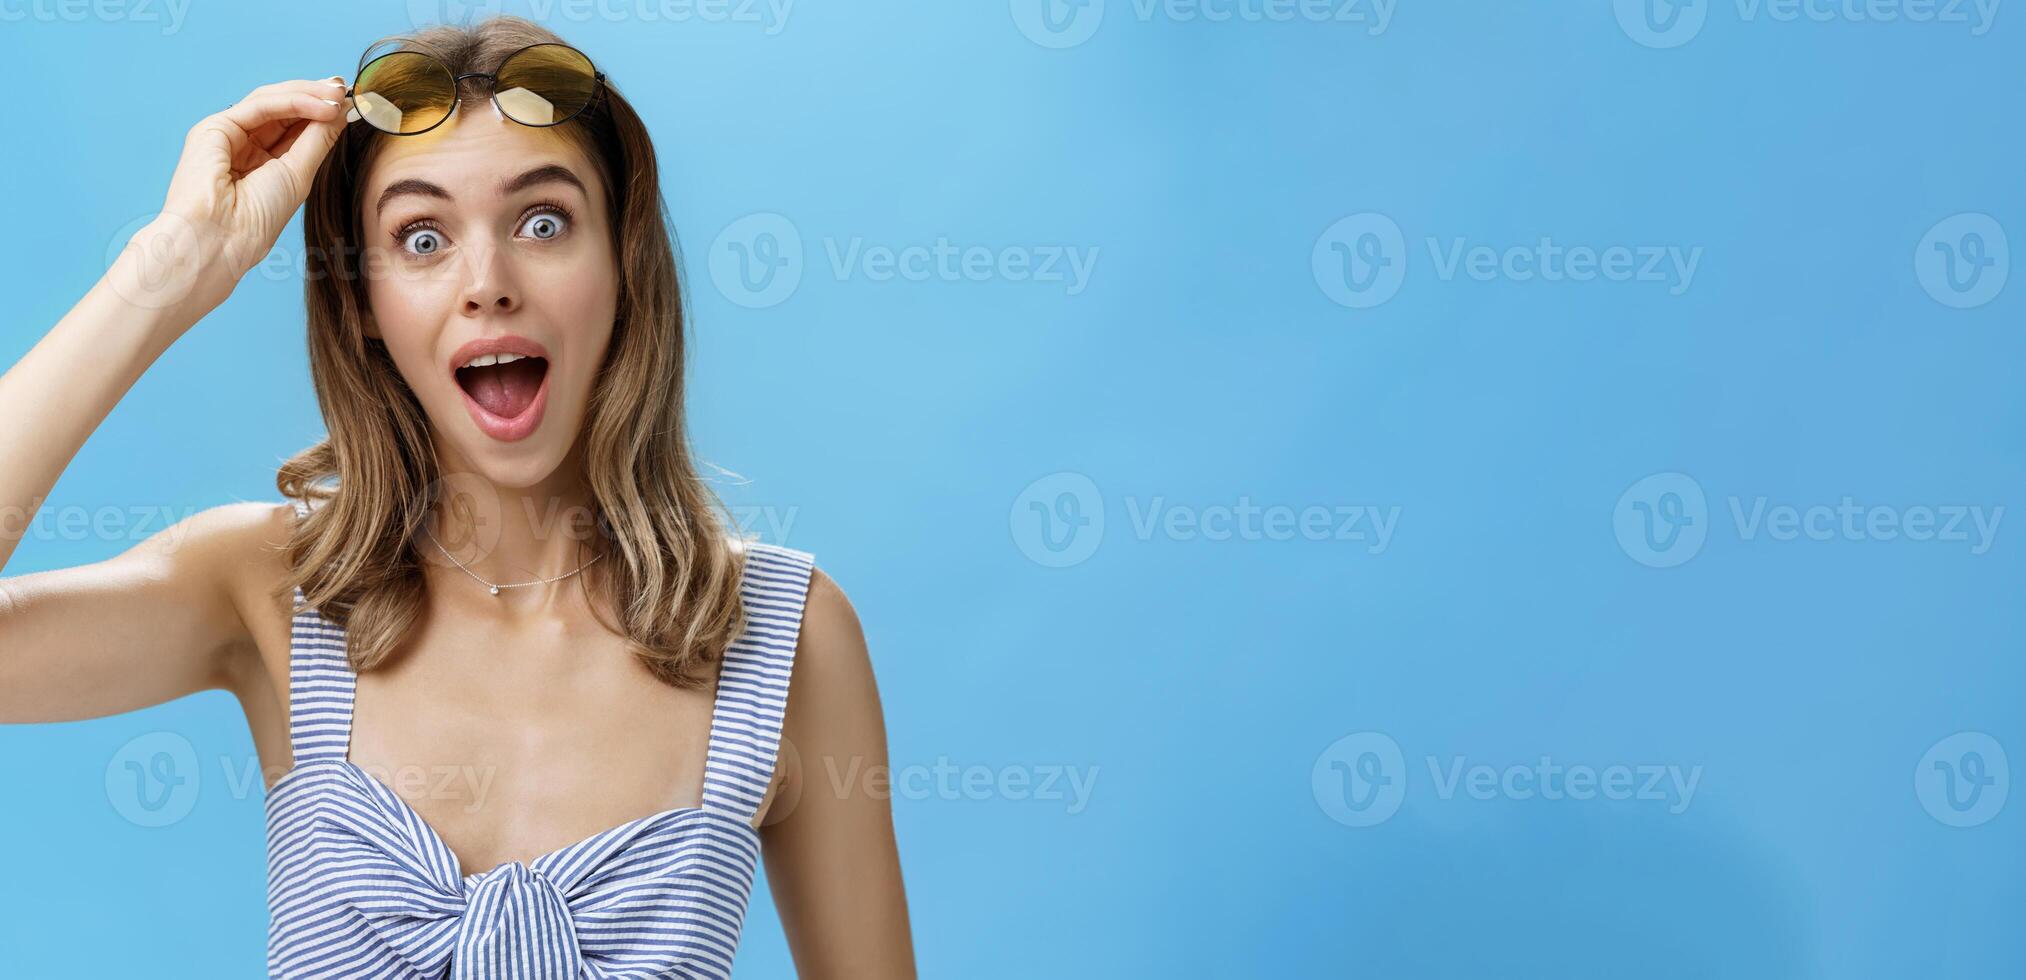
(513, 742)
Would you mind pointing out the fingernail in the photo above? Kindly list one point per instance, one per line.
(330, 102)
(337, 81)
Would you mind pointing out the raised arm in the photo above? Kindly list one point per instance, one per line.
(157, 621)
(831, 859)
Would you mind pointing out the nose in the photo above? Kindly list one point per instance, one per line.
(490, 285)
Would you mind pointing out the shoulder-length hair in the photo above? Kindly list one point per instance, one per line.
(670, 563)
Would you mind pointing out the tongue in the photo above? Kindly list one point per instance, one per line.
(505, 390)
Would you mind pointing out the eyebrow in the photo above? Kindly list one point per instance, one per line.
(548, 174)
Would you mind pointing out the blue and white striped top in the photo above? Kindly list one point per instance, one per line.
(359, 886)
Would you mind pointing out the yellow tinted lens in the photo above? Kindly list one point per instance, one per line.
(544, 85)
(404, 92)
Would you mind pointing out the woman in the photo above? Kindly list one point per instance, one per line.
(525, 707)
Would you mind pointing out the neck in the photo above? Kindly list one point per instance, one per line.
(510, 535)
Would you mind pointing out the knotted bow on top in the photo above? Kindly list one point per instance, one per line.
(648, 898)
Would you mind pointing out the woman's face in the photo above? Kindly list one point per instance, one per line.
(487, 242)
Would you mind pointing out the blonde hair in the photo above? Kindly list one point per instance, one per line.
(669, 561)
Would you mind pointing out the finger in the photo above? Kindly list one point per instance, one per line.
(275, 137)
(263, 149)
(248, 149)
(262, 108)
(285, 138)
(296, 167)
(323, 88)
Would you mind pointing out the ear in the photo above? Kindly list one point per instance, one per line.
(372, 326)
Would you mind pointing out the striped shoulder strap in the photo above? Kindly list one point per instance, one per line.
(752, 694)
(320, 682)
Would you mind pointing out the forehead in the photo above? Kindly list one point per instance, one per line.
(472, 155)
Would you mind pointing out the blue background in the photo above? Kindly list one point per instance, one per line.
(900, 429)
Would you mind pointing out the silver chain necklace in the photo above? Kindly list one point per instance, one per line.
(496, 586)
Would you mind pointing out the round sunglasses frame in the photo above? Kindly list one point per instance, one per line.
(492, 86)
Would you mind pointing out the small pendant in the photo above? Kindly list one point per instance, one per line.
(495, 590)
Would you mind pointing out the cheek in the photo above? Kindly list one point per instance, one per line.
(578, 298)
(572, 284)
(410, 311)
(408, 292)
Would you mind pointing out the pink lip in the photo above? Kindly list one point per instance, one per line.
(504, 429)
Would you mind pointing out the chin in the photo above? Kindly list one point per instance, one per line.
(517, 468)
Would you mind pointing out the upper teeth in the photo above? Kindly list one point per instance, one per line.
(488, 360)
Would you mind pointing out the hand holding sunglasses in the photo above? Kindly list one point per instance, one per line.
(244, 171)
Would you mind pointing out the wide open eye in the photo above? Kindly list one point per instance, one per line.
(422, 241)
(545, 224)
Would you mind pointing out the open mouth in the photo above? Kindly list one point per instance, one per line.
(504, 384)
(505, 390)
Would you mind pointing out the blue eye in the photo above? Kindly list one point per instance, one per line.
(422, 241)
(546, 224)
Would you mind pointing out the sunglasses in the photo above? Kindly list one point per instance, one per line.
(408, 92)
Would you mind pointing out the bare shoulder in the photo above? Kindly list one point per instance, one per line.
(834, 723)
(831, 690)
(830, 626)
(223, 549)
(830, 630)
(241, 544)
